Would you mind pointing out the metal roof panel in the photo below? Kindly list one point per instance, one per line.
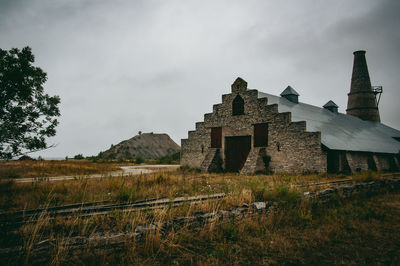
(340, 131)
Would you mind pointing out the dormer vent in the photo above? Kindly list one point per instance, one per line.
(290, 94)
(331, 106)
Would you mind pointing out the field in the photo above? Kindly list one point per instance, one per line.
(33, 169)
(361, 230)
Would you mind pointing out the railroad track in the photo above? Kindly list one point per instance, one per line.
(343, 181)
(99, 208)
(103, 207)
(335, 182)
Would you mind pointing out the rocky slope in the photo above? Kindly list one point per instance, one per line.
(147, 145)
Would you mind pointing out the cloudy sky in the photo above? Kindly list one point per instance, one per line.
(126, 66)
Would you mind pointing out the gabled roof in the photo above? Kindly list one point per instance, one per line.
(289, 91)
(340, 131)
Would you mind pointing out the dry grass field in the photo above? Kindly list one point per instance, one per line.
(33, 169)
(361, 230)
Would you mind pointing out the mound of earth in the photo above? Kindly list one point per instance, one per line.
(25, 158)
(147, 145)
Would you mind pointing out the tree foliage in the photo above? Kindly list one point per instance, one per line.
(27, 114)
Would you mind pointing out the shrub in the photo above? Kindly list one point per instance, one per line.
(125, 194)
(79, 157)
(283, 194)
(170, 159)
(139, 159)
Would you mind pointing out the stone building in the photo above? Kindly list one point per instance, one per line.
(252, 131)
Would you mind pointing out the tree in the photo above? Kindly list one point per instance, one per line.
(27, 114)
(139, 159)
(79, 157)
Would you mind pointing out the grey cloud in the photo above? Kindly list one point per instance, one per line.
(124, 66)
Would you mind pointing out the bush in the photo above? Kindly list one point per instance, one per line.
(125, 194)
(79, 157)
(139, 159)
(281, 194)
(170, 159)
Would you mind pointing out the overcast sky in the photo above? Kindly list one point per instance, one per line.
(126, 66)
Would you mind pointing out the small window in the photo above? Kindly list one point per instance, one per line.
(238, 106)
(216, 137)
(261, 135)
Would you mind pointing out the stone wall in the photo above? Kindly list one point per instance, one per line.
(359, 161)
(290, 147)
(386, 162)
(347, 191)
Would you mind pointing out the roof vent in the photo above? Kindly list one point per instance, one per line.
(290, 94)
(331, 106)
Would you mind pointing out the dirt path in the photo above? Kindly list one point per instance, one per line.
(125, 171)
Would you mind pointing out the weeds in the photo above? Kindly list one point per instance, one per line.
(125, 194)
(307, 234)
(42, 169)
(300, 232)
(366, 176)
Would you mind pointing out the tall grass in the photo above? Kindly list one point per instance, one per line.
(301, 232)
(357, 231)
(33, 169)
(239, 189)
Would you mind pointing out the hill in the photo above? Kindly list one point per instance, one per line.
(147, 145)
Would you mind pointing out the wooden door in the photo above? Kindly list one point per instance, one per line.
(236, 151)
(216, 137)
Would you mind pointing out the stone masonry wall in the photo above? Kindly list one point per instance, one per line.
(358, 161)
(290, 147)
(384, 162)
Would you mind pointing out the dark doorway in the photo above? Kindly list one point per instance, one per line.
(393, 165)
(371, 163)
(337, 162)
(236, 151)
(333, 158)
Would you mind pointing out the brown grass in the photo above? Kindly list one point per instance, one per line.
(33, 169)
(239, 189)
(170, 184)
(363, 230)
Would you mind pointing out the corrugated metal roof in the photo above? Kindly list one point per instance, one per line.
(340, 131)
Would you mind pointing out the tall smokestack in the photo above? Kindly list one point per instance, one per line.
(361, 102)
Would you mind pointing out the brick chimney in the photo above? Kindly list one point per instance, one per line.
(361, 99)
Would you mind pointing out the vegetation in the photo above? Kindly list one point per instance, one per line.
(79, 157)
(43, 168)
(170, 159)
(27, 114)
(362, 230)
(139, 160)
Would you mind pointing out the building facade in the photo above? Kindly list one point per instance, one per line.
(252, 131)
